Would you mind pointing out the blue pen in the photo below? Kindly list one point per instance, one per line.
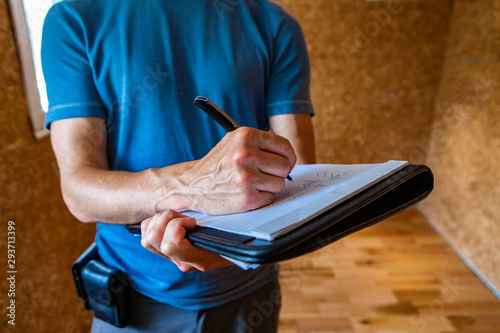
(219, 116)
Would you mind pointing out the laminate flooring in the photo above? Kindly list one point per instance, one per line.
(398, 276)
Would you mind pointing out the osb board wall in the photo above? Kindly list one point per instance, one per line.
(48, 238)
(464, 149)
(375, 73)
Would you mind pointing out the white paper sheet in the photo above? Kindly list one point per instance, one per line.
(315, 188)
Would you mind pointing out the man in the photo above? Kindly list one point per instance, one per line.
(121, 77)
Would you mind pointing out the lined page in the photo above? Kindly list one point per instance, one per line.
(315, 188)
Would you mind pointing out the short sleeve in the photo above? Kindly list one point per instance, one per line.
(66, 68)
(289, 80)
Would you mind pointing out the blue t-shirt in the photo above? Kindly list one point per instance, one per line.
(139, 65)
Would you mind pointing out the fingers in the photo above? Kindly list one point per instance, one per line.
(265, 152)
(271, 184)
(273, 161)
(263, 199)
(144, 225)
(280, 146)
(153, 229)
(272, 164)
(174, 242)
(185, 255)
(165, 234)
(146, 240)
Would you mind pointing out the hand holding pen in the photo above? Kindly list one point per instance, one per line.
(219, 116)
(242, 172)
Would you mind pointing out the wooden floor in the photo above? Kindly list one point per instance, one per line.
(396, 277)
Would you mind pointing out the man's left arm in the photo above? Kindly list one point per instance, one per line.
(298, 129)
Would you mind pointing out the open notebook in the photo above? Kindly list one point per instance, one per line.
(315, 189)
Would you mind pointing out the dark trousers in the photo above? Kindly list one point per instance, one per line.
(256, 312)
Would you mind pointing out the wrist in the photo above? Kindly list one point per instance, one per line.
(170, 189)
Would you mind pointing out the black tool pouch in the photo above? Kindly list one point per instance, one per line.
(104, 289)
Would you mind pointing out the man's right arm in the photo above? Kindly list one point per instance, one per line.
(243, 172)
(92, 192)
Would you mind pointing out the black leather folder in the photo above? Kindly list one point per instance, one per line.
(380, 201)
